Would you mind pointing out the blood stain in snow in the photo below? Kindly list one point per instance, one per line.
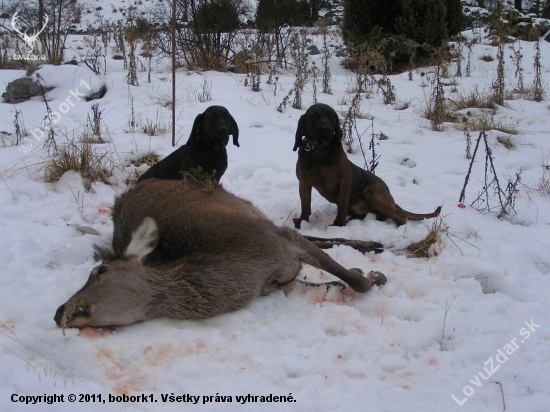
(432, 361)
(158, 354)
(129, 378)
(94, 333)
(104, 209)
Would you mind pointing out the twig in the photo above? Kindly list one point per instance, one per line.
(447, 308)
(502, 393)
(466, 180)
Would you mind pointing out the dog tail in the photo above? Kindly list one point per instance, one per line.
(418, 216)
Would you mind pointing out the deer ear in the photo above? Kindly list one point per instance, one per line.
(234, 131)
(195, 135)
(299, 133)
(144, 240)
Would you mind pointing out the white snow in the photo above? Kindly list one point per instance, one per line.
(409, 345)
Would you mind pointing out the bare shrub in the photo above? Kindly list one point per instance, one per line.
(201, 94)
(437, 111)
(93, 124)
(323, 27)
(499, 84)
(537, 85)
(517, 58)
(301, 65)
(278, 17)
(206, 37)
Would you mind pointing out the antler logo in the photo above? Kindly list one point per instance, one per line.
(29, 40)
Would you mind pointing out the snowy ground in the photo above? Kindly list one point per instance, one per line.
(400, 347)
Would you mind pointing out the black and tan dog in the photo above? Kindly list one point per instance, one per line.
(205, 147)
(323, 164)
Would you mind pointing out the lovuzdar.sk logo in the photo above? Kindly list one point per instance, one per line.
(29, 40)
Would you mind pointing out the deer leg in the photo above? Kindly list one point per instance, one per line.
(315, 257)
(362, 246)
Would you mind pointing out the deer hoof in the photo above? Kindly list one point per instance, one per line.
(378, 278)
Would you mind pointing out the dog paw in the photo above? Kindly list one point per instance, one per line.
(377, 247)
(297, 222)
(378, 278)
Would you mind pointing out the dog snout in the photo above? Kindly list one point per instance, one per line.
(59, 315)
(223, 130)
(326, 129)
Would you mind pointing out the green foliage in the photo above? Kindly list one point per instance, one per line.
(423, 21)
(217, 16)
(361, 17)
(386, 25)
(273, 14)
(455, 18)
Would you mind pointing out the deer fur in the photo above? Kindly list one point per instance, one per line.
(186, 252)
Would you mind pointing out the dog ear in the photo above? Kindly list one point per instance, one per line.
(234, 131)
(299, 133)
(338, 129)
(195, 135)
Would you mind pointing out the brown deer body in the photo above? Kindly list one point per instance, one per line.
(187, 252)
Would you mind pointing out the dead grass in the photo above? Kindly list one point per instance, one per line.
(438, 231)
(154, 128)
(150, 159)
(506, 141)
(438, 117)
(91, 161)
(474, 99)
(543, 185)
(487, 58)
(43, 366)
(486, 122)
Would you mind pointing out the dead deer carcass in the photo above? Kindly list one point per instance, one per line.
(186, 252)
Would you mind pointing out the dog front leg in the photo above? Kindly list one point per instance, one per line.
(343, 201)
(305, 198)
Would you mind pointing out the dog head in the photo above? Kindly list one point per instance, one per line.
(319, 125)
(214, 127)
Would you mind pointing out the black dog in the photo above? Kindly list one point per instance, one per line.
(205, 147)
(323, 164)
